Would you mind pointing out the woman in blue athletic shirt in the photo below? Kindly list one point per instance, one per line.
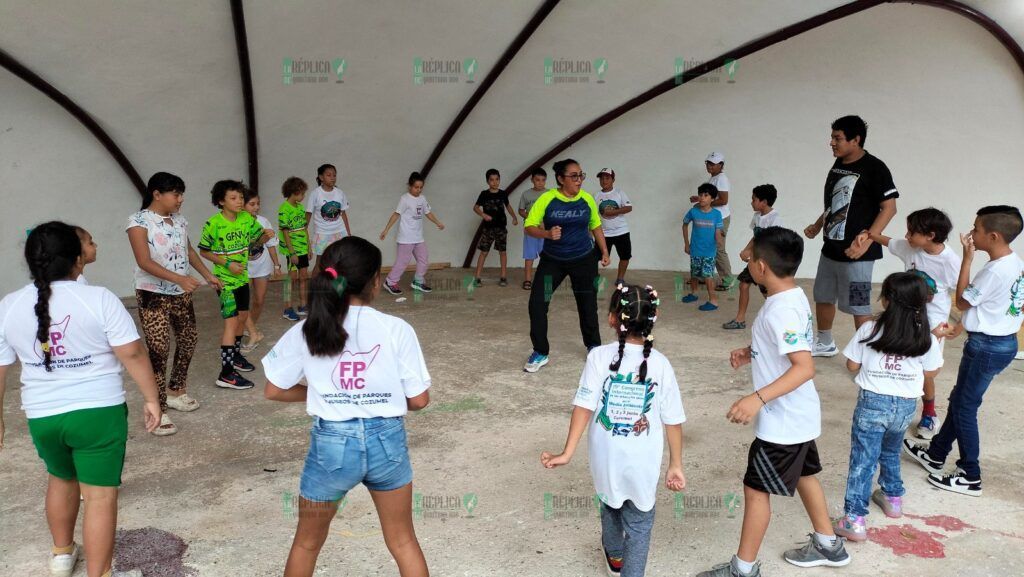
(567, 219)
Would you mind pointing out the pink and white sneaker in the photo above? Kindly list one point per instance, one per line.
(891, 506)
(853, 528)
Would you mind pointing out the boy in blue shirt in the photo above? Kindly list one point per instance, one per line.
(708, 235)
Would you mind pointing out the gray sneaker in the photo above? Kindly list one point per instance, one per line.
(814, 555)
(731, 570)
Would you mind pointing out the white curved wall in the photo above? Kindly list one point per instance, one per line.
(944, 100)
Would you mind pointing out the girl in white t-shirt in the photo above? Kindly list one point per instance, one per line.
(409, 214)
(263, 263)
(326, 211)
(72, 340)
(363, 371)
(891, 355)
(633, 390)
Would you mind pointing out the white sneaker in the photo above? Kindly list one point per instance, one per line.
(64, 565)
(1019, 356)
(183, 403)
(821, 350)
(132, 573)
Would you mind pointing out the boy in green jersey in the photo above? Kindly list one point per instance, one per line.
(226, 238)
(292, 222)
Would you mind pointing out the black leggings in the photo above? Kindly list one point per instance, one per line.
(582, 272)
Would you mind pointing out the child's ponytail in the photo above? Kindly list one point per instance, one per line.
(349, 267)
(902, 328)
(51, 251)
(637, 309)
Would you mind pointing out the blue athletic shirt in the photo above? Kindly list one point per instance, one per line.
(703, 241)
(577, 216)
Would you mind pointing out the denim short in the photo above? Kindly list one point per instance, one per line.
(343, 454)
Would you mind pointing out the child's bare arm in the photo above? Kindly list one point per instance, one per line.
(433, 219)
(965, 271)
(720, 238)
(296, 394)
(800, 371)
(577, 425)
(391, 222)
(674, 478)
(344, 218)
(852, 366)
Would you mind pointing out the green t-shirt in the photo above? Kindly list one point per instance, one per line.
(231, 240)
(291, 218)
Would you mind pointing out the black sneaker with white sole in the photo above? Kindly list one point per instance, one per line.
(919, 453)
(242, 364)
(233, 380)
(422, 287)
(392, 288)
(956, 482)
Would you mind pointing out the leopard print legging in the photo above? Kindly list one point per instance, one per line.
(160, 315)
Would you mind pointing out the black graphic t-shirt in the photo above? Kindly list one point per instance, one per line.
(493, 205)
(853, 197)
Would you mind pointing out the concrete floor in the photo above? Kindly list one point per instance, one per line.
(224, 484)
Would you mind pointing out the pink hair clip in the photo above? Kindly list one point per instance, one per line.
(330, 270)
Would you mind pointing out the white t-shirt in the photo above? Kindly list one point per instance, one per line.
(326, 208)
(784, 325)
(892, 375)
(943, 269)
(615, 225)
(760, 221)
(82, 280)
(168, 247)
(260, 263)
(380, 367)
(86, 321)
(626, 438)
(412, 209)
(997, 298)
(721, 182)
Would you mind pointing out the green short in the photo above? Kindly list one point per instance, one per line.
(87, 444)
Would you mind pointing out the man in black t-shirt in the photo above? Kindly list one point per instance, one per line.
(859, 197)
(491, 205)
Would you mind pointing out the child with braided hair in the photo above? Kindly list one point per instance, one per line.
(633, 391)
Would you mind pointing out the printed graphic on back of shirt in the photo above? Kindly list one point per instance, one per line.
(625, 403)
(60, 356)
(842, 196)
(349, 378)
(1016, 298)
(791, 337)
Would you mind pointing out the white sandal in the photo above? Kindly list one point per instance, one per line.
(183, 403)
(166, 427)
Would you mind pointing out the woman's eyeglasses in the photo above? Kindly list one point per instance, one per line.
(580, 176)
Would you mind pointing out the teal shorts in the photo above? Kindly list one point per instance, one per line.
(87, 444)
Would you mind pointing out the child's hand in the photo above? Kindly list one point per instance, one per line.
(605, 259)
(515, 221)
(812, 230)
(743, 410)
(268, 233)
(686, 248)
(551, 461)
(487, 218)
(739, 357)
(189, 284)
(745, 255)
(675, 480)
(694, 198)
(151, 416)
(967, 240)
(383, 235)
(215, 283)
(236, 268)
(440, 226)
(955, 331)
(861, 244)
(555, 233)
(294, 259)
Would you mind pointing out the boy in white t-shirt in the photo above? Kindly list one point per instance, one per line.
(783, 458)
(993, 305)
(762, 200)
(326, 211)
(633, 390)
(359, 372)
(409, 214)
(891, 355)
(923, 250)
(612, 203)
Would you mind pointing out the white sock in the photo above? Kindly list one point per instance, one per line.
(744, 566)
(825, 337)
(825, 540)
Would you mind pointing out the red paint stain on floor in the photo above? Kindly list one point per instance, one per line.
(944, 522)
(906, 540)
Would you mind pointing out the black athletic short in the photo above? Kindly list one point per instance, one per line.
(241, 295)
(776, 469)
(746, 277)
(303, 262)
(623, 246)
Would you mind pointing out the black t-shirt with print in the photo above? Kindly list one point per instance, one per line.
(493, 205)
(853, 197)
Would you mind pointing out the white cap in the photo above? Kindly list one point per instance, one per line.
(715, 158)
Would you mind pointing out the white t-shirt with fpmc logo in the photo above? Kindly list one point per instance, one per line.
(380, 367)
(85, 323)
(892, 375)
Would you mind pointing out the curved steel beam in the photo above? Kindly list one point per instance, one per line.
(21, 71)
(747, 49)
(242, 45)
(491, 77)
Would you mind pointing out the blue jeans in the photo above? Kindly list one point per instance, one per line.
(879, 424)
(343, 454)
(626, 533)
(984, 357)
